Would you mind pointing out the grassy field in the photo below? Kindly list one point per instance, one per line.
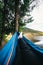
(29, 33)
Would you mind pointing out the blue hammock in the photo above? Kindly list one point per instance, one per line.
(7, 51)
(21, 52)
(35, 47)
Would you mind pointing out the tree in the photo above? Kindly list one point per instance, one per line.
(17, 10)
(22, 10)
(13, 11)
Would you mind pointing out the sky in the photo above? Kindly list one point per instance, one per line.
(37, 14)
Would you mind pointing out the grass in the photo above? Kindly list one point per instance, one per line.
(7, 37)
(29, 33)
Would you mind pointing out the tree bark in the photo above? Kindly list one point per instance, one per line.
(2, 31)
(16, 15)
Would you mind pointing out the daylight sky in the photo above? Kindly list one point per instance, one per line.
(37, 14)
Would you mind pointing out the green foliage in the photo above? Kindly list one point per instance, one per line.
(10, 14)
(1, 6)
(30, 20)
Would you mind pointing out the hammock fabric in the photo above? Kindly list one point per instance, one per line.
(7, 53)
(27, 55)
(21, 52)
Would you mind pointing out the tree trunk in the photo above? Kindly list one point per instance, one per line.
(2, 31)
(16, 14)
